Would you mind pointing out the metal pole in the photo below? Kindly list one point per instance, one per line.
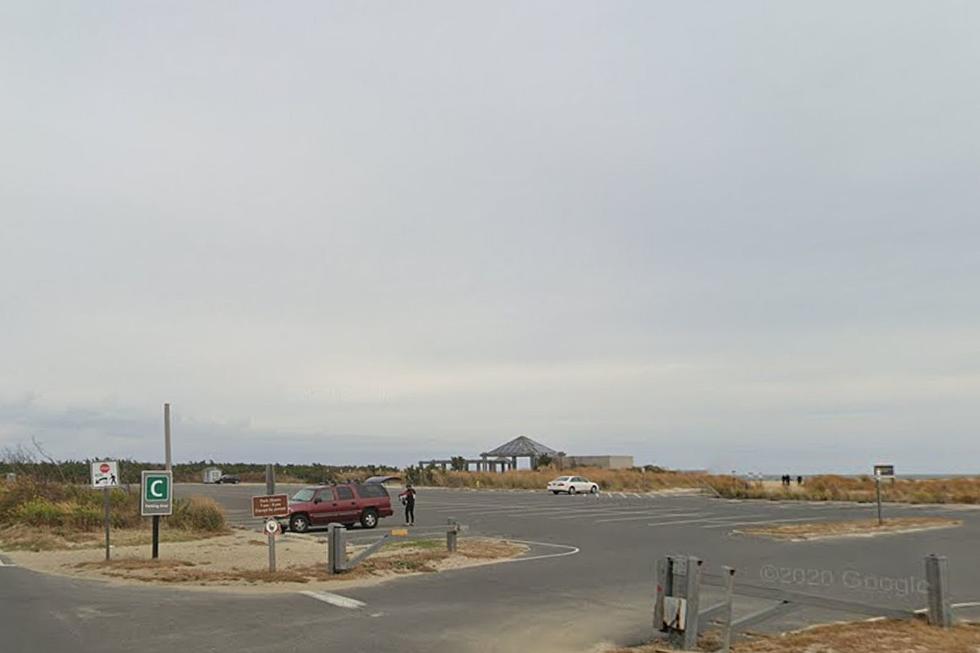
(270, 488)
(878, 495)
(156, 536)
(105, 518)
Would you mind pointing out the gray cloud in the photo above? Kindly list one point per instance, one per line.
(738, 236)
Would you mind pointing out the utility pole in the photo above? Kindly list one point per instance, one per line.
(169, 466)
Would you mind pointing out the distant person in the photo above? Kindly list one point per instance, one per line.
(799, 480)
(408, 500)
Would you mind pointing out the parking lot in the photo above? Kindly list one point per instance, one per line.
(587, 578)
(618, 536)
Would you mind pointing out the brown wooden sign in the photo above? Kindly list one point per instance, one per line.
(270, 505)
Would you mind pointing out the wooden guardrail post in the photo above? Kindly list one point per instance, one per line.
(937, 576)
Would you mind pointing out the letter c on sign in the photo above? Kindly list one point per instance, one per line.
(156, 494)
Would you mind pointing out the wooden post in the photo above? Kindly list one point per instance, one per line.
(452, 533)
(270, 488)
(878, 496)
(937, 576)
(726, 633)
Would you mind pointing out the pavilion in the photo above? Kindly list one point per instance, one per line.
(506, 455)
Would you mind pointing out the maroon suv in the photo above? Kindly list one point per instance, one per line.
(347, 504)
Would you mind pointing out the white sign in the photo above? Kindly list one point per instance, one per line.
(675, 612)
(272, 527)
(105, 474)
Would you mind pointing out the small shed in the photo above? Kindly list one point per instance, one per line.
(211, 474)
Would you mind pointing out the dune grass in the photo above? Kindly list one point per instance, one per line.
(634, 479)
(825, 487)
(874, 636)
(39, 515)
(830, 487)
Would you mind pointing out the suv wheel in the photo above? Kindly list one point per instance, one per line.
(369, 518)
(299, 523)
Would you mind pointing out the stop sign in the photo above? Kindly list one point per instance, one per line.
(104, 468)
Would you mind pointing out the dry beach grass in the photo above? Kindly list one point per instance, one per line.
(240, 560)
(877, 636)
(852, 528)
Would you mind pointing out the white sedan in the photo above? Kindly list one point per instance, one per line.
(573, 484)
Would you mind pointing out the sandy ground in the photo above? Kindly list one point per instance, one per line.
(875, 636)
(855, 528)
(239, 562)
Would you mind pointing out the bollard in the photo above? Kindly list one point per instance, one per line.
(693, 594)
(726, 634)
(336, 548)
(684, 583)
(452, 535)
(937, 576)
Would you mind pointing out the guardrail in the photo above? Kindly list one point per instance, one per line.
(677, 611)
(338, 562)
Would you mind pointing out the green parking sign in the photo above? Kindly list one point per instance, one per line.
(156, 493)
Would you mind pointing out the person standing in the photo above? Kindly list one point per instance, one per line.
(408, 500)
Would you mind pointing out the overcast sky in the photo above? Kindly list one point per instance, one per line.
(736, 235)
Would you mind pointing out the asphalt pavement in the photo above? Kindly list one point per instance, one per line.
(588, 578)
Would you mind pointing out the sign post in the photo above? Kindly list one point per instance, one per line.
(270, 489)
(880, 471)
(105, 475)
(166, 453)
(270, 506)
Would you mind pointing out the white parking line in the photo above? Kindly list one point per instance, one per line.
(335, 599)
(449, 507)
(512, 509)
(649, 515)
(571, 550)
(765, 521)
(705, 520)
(613, 513)
(565, 510)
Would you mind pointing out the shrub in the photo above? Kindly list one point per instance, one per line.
(40, 512)
(197, 514)
(85, 518)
